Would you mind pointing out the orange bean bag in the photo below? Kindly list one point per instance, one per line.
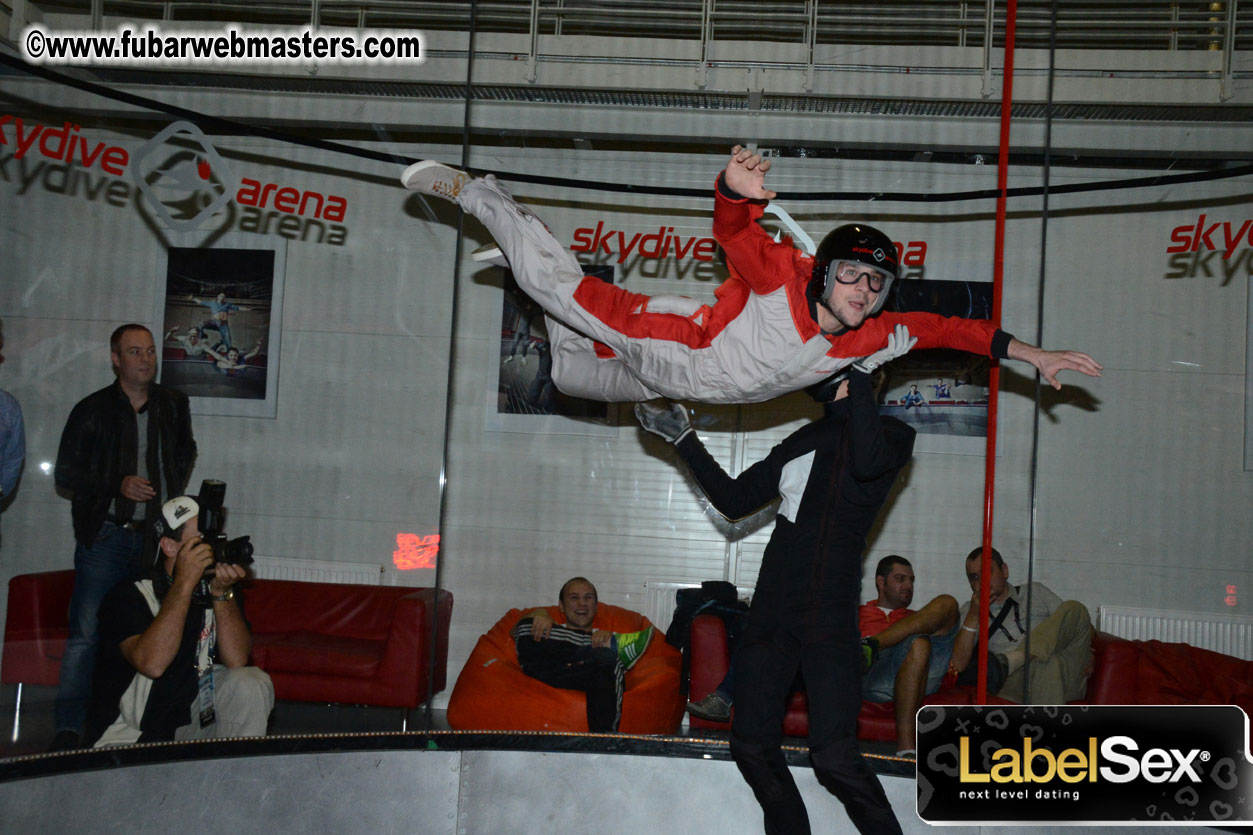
(492, 692)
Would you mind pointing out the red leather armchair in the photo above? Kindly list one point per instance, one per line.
(37, 627)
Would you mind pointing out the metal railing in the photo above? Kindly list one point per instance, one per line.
(1112, 24)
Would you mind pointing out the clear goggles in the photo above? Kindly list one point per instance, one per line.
(851, 272)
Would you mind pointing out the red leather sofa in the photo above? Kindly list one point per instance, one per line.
(1124, 673)
(320, 642)
(335, 642)
(1159, 673)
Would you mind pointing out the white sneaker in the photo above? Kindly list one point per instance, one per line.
(434, 178)
(490, 254)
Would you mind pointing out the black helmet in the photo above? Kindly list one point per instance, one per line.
(853, 242)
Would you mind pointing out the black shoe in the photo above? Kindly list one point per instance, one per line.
(713, 708)
(869, 654)
(66, 741)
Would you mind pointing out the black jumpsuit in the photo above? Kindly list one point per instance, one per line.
(834, 475)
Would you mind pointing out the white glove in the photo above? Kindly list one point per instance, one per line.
(664, 418)
(899, 343)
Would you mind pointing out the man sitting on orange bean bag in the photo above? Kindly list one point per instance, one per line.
(493, 692)
(574, 656)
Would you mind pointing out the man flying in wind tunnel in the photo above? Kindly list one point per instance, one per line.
(782, 321)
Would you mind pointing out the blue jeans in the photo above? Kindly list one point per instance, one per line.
(223, 329)
(114, 556)
(726, 687)
(879, 684)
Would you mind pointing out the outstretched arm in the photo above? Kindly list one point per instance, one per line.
(734, 498)
(978, 336)
(745, 174)
(1050, 363)
(752, 254)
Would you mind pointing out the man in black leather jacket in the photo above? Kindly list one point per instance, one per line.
(124, 450)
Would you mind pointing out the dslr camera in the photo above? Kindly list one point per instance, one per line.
(212, 521)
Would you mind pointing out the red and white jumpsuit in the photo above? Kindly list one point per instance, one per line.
(758, 340)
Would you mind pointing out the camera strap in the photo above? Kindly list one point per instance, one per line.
(204, 668)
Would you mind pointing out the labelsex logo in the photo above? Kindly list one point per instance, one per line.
(1073, 765)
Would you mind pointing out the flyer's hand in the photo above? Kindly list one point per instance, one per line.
(746, 174)
(664, 418)
(1050, 363)
(899, 344)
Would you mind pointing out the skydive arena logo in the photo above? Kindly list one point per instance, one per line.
(1094, 765)
(177, 179)
(186, 182)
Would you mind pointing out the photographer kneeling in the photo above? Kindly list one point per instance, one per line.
(174, 645)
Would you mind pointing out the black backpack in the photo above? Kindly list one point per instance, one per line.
(714, 597)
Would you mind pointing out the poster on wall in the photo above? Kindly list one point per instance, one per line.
(526, 398)
(219, 319)
(942, 393)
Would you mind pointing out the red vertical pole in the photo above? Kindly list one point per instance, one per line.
(994, 377)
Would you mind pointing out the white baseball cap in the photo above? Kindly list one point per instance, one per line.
(175, 512)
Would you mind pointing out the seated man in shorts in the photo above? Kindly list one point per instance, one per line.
(907, 652)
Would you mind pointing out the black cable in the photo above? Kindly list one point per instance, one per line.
(217, 124)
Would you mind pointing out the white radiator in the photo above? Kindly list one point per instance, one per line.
(1230, 635)
(659, 600)
(317, 571)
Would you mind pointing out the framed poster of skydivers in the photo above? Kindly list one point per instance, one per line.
(220, 317)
